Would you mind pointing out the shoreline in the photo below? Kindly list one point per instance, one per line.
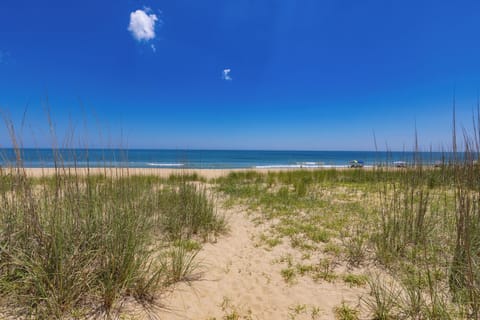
(166, 172)
(160, 172)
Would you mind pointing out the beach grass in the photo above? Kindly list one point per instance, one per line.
(418, 225)
(79, 243)
(76, 244)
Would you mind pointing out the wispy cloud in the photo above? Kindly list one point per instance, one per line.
(226, 74)
(142, 24)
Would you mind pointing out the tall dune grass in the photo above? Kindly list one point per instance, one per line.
(420, 225)
(77, 244)
(428, 234)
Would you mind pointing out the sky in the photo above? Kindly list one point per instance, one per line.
(238, 74)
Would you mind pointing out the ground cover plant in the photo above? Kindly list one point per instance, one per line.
(418, 227)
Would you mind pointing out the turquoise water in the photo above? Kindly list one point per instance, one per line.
(216, 159)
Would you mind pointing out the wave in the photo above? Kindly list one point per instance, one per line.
(156, 164)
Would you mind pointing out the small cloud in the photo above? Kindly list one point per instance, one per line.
(226, 75)
(154, 49)
(142, 25)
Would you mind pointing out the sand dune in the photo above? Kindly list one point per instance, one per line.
(237, 276)
(241, 278)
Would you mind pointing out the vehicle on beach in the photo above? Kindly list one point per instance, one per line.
(399, 164)
(356, 164)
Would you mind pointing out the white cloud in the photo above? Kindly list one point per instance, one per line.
(142, 25)
(226, 74)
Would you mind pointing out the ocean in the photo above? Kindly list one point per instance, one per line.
(207, 159)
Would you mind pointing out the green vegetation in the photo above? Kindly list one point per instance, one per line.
(72, 240)
(355, 280)
(345, 312)
(420, 225)
(72, 243)
(187, 211)
(232, 312)
(288, 274)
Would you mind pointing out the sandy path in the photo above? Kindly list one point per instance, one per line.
(240, 277)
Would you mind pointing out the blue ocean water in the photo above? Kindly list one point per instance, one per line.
(212, 159)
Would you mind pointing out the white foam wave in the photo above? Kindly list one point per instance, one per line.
(310, 163)
(156, 164)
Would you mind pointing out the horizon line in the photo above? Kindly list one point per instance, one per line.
(219, 149)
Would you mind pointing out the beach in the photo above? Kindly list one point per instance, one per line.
(239, 276)
(271, 243)
(239, 160)
(160, 172)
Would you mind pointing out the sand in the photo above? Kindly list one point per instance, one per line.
(240, 279)
(237, 277)
(161, 172)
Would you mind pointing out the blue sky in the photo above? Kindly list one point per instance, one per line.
(239, 74)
